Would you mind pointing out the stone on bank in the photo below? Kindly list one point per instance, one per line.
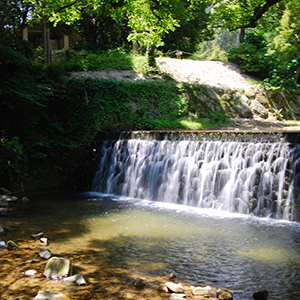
(45, 295)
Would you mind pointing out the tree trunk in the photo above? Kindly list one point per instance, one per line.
(242, 35)
(47, 44)
(298, 69)
(151, 57)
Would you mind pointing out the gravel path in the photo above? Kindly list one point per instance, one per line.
(217, 74)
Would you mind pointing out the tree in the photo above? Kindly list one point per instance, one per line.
(193, 30)
(149, 20)
(289, 38)
(236, 14)
(13, 16)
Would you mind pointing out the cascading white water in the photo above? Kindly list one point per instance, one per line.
(244, 177)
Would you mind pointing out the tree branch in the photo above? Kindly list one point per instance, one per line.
(259, 11)
(67, 6)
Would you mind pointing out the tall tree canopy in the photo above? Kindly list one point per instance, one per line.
(149, 20)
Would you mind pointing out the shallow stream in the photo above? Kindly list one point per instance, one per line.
(201, 246)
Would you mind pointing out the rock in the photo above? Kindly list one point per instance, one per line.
(295, 108)
(2, 232)
(44, 241)
(261, 295)
(243, 110)
(171, 276)
(10, 245)
(139, 283)
(224, 294)
(2, 245)
(3, 211)
(177, 296)
(46, 254)
(242, 97)
(30, 273)
(259, 109)
(204, 291)
(78, 279)
(9, 198)
(37, 236)
(163, 288)
(25, 199)
(175, 288)
(262, 100)
(249, 92)
(3, 202)
(45, 295)
(57, 267)
(212, 93)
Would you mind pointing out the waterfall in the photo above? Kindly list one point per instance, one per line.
(257, 178)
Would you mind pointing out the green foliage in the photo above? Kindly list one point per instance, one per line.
(251, 55)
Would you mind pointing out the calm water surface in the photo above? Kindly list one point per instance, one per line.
(202, 247)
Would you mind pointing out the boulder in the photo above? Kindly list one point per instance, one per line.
(261, 295)
(10, 245)
(259, 109)
(45, 295)
(57, 268)
(175, 288)
(224, 294)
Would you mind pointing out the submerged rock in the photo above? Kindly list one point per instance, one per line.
(139, 283)
(261, 295)
(37, 236)
(11, 245)
(2, 232)
(30, 273)
(57, 268)
(45, 295)
(78, 279)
